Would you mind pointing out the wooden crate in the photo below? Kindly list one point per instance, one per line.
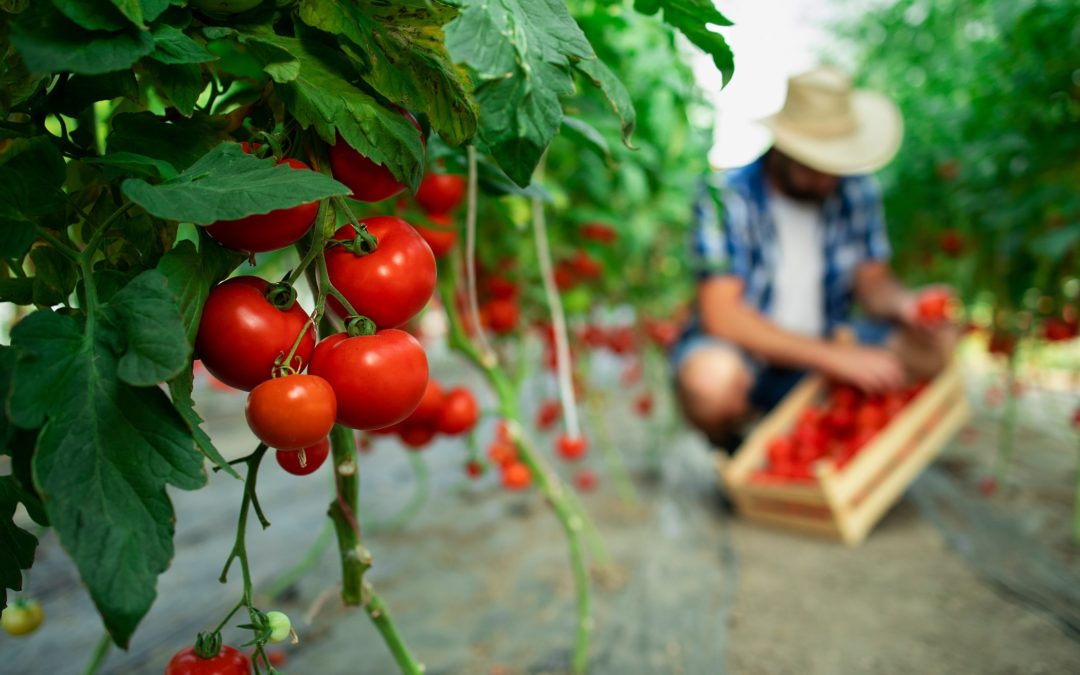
(846, 504)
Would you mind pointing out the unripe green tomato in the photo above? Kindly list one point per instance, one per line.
(280, 626)
(225, 6)
(22, 617)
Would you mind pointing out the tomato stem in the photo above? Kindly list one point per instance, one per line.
(487, 354)
(569, 514)
(380, 616)
(98, 657)
(613, 459)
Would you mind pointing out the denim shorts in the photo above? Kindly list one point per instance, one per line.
(771, 383)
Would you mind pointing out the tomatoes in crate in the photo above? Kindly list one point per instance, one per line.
(836, 431)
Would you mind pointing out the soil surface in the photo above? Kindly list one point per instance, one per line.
(951, 581)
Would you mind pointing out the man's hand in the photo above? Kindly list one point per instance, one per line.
(872, 369)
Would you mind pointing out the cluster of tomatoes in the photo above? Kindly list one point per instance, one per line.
(255, 336)
(835, 431)
(503, 454)
(451, 412)
(497, 296)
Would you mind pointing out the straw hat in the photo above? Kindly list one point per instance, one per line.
(829, 126)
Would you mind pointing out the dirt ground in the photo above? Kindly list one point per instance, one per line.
(951, 581)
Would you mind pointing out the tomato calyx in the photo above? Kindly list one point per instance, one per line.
(281, 295)
(360, 326)
(362, 244)
(208, 645)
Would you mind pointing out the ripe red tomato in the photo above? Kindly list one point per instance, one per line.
(502, 452)
(474, 469)
(1059, 330)
(242, 335)
(440, 192)
(369, 182)
(548, 414)
(430, 407)
(621, 340)
(390, 284)
(565, 278)
(305, 461)
(934, 305)
(459, 412)
(599, 233)
(952, 244)
(378, 379)
(871, 417)
(663, 333)
(500, 287)
(267, 231)
(229, 661)
(502, 316)
(585, 267)
(441, 239)
(516, 476)
(1002, 343)
(571, 449)
(780, 450)
(643, 404)
(585, 480)
(291, 412)
(416, 436)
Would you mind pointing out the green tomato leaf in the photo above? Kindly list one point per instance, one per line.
(92, 14)
(692, 18)
(31, 174)
(131, 164)
(140, 11)
(180, 388)
(191, 274)
(79, 92)
(55, 276)
(179, 84)
(146, 314)
(403, 56)
(585, 134)
(180, 142)
(50, 43)
(321, 95)
(171, 45)
(17, 291)
(520, 51)
(227, 184)
(615, 91)
(17, 546)
(104, 457)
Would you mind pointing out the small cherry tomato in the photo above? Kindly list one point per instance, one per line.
(585, 480)
(229, 661)
(306, 460)
(415, 436)
(440, 192)
(291, 412)
(571, 449)
(22, 617)
(280, 626)
(459, 412)
(474, 469)
(515, 476)
(548, 414)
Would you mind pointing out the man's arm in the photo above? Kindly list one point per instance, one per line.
(725, 315)
(881, 295)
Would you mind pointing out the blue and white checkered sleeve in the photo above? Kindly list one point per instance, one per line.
(714, 242)
(870, 215)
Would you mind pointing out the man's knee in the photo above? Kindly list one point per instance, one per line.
(714, 386)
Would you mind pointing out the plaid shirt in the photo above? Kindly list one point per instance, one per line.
(734, 234)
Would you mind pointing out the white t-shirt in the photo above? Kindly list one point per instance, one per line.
(798, 280)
